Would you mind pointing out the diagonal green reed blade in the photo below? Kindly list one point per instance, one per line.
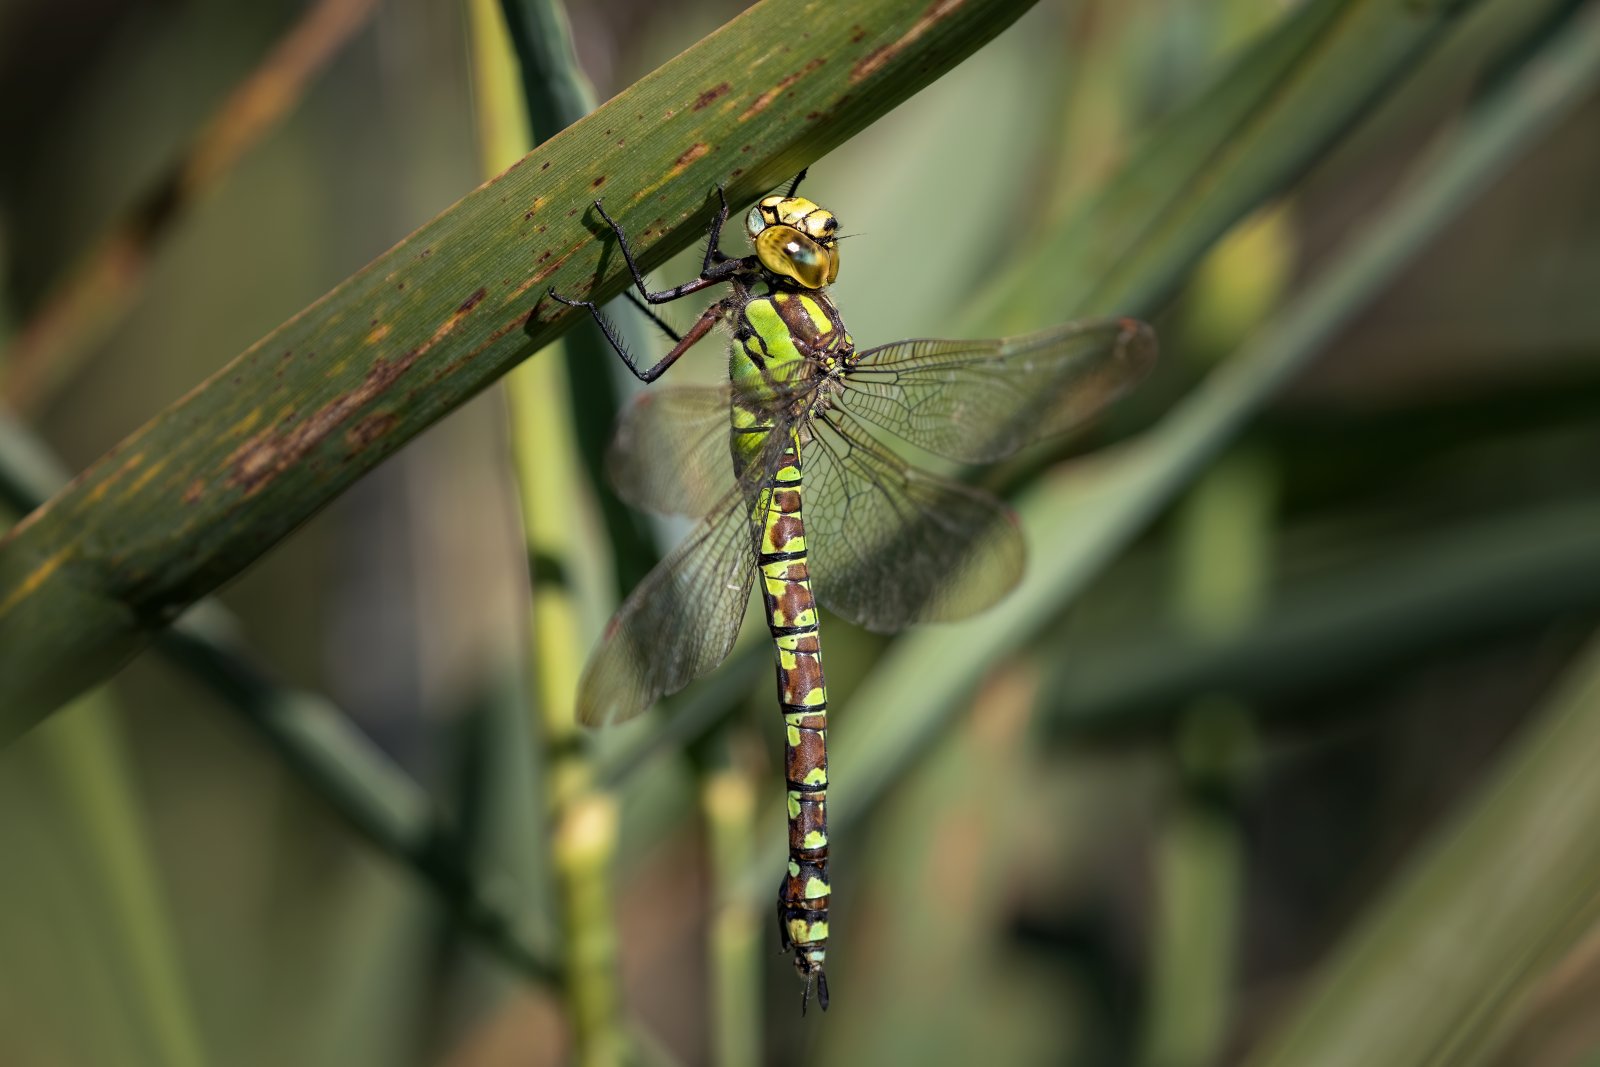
(194, 496)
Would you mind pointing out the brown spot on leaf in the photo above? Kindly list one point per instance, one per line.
(711, 94)
(369, 429)
(196, 490)
(880, 57)
(598, 182)
(692, 153)
(764, 101)
(259, 460)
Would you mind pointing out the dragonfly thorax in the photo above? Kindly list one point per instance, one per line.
(794, 238)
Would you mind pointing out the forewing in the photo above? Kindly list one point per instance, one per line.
(892, 545)
(679, 623)
(670, 454)
(977, 401)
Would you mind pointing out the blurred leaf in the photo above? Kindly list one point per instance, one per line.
(186, 502)
(1439, 970)
(1463, 584)
(1284, 104)
(109, 918)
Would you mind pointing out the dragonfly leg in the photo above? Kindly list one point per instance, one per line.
(695, 333)
(714, 253)
(713, 274)
(717, 269)
(662, 324)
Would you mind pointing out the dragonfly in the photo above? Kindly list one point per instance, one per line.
(797, 492)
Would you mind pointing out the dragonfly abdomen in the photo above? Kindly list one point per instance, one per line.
(791, 611)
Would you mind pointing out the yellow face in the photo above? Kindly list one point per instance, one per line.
(795, 238)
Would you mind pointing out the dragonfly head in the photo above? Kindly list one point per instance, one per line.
(796, 239)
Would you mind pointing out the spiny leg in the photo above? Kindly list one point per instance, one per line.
(701, 327)
(661, 324)
(717, 268)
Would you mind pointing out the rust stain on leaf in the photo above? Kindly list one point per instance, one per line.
(268, 454)
(369, 429)
(543, 273)
(878, 58)
(36, 578)
(711, 94)
(378, 334)
(98, 492)
(494, 337)
(764, 101)
(144, 478)
(195, 493)
(694, 152)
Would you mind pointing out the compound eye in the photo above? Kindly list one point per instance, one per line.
(785, 250)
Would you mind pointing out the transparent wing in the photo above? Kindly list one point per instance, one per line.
(679, 622)
(976, 401)
(892, 545)
(670, 454)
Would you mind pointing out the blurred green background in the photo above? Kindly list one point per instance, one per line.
(1155, 834)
